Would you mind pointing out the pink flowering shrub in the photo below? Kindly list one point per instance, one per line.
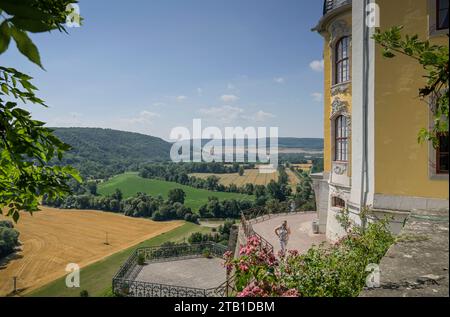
(336, 270)
(257, 272)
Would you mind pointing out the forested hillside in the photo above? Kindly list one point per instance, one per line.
(100, 153)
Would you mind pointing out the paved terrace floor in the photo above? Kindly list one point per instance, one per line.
(197, 273)
(302, 238)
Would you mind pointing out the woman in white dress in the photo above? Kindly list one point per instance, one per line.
(283, 232)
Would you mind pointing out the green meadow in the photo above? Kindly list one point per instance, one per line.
(131, 184)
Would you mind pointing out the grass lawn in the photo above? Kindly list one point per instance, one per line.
(130, 184)
(97, 278)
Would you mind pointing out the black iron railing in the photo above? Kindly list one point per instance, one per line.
(133, 288)
(247, 225)
(125, 284)
(259, 214)
(330, 5)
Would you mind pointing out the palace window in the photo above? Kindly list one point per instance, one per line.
(442, 155)
(442, 7)
(342, 60)
(337, 202)
(341, 139)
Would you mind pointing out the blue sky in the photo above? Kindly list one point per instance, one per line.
(150, 65)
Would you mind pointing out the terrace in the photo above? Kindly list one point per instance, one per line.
(177, 271)
(262, 223)
(197, 270)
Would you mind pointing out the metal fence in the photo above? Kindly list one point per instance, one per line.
(247, 218)
(133, 288)
(330, 5)
(125, 284)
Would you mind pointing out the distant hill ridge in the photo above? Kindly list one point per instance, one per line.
(290, 142)
(104, 152)
(101, 152)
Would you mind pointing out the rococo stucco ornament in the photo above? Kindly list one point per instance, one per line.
(339, 29)
(335, 192)
(339, 107)
(340, 169)
(340, 89)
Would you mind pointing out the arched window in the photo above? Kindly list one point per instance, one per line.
(341, 139)
(338, 202)
(342, 60)
(442, 154)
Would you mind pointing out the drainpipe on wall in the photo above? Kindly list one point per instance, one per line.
(365, 107)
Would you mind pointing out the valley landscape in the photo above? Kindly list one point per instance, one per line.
(100, 240)
(133, 152)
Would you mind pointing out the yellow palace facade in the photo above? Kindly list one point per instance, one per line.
(373, 115)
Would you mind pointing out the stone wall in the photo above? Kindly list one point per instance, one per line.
(417, 265)
(321, 188)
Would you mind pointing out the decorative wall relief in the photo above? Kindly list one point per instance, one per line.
(339, 107)
(340, 89)
(336, 192)
(339, 29)
(340, 169)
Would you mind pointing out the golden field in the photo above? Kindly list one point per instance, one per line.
(252, 176)
(53, 238)
(305, 167)
(293, 178)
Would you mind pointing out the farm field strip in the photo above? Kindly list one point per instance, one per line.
(306, 167)
(252, 176)
(53, 238)
(96, 278)
(293, 178)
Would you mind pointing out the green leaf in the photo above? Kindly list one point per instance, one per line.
(5, 36)
(5, 89)
(26, 46)
(35, 26)
(22, 8)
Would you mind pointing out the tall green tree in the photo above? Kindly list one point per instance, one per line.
(26, 145)
(177, 195)
(434, 60)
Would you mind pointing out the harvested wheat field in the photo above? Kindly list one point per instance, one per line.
(251, 176)
(53, 238)
(306, 167)
(293, 178)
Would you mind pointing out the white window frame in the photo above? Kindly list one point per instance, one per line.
(432, 21)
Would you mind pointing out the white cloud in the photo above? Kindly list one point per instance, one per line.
(229, 98)
(230, 86)
(234, 115)
(181, 98)
(199, 92)
(262, 116)
(317, 65)
(224, 114)
(317, 96)
(159, 104)
(143, 118)
(279, 80)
